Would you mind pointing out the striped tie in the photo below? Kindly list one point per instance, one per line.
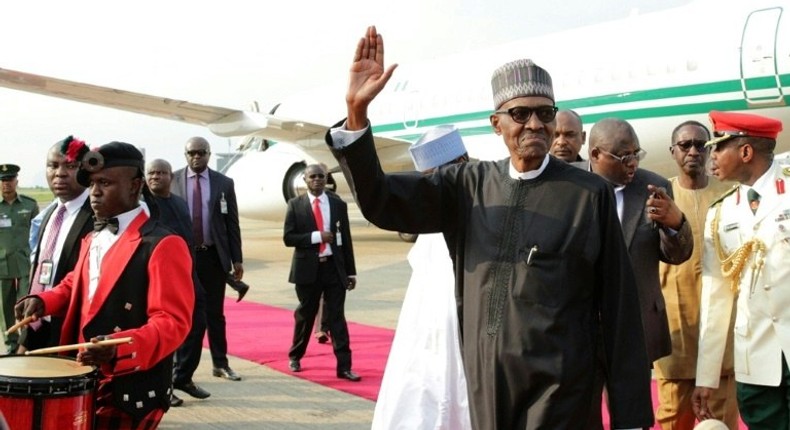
(45, 257)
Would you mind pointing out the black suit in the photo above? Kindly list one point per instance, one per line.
(313, 277)
(48, 334)
(215, 261)
(647, 245)
(174, 214)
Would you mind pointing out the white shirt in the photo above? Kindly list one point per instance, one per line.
(101, 244)
(323, 203)
(618, 197)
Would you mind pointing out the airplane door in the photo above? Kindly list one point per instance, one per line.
(759, 78)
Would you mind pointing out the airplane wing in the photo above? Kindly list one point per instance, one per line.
(221, 121)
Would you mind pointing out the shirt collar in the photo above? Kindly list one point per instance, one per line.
(321, 198)
(531, 174)
(126, 218)
(74, 205)
(191, 173)
(765, 183)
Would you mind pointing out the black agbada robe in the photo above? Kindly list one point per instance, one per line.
(540, 265)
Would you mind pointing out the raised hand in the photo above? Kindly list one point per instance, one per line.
(367, 77)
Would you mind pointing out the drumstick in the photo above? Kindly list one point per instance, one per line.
(74, 346)
(25, 321)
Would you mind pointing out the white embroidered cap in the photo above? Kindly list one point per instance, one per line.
(438, 146)
(711, 424)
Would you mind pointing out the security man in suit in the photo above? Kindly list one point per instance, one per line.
(745, 259)
(654, 229)
(316, 226)
(211, 197)
(16, 213)
(59, 238)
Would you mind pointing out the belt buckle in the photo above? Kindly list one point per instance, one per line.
(323, 259)
(201, 248)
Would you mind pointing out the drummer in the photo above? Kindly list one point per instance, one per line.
(135, 281)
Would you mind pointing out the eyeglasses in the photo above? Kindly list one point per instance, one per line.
(521, 114)
(627, 159)
(197, 152)
(316, 176)
(686, 145)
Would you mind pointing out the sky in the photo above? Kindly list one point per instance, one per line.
(230, 54)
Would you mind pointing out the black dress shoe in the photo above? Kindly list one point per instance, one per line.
(192, 389)
(241, 287)
(321, 337)
(242, 291)
(176, 401)
(351, 376)
(294, 365)
(227, 373)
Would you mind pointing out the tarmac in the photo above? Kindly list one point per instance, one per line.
(268, 399)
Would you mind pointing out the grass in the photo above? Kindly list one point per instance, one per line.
(41, 194)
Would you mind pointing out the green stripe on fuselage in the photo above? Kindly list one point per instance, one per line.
(706, 89)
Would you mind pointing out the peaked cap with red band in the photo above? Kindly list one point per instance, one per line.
(727, 125)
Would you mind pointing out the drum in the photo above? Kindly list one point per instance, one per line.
(47, 393)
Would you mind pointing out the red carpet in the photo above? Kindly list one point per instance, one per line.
(263, 333)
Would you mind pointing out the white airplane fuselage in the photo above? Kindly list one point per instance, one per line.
(655, 71)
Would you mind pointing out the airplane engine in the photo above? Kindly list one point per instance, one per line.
(265, 181)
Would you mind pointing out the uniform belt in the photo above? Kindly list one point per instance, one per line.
(324, 259)
(201, 248)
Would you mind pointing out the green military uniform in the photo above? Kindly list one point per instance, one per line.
(15, 218)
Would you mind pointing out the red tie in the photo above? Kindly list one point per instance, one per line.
(319, 222)
(197, 212)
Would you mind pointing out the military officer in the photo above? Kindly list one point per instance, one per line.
(16, 213)
(745, 260)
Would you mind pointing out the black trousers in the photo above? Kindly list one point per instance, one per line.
(47, 335)
(212, 277)
(187, 357)
(309, 295)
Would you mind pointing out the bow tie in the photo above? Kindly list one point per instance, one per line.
(110, 223)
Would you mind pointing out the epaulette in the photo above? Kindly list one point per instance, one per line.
(24, 197)
(724, 195)
(786, 170)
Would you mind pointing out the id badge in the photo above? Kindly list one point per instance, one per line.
(223, 205)
(45, 272)
(5, 222)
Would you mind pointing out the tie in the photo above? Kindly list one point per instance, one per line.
(110, 224)
(754, 199)
(197, 212)
(46, 256)
(319, 222)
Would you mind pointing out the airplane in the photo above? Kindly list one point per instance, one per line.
(654, 70)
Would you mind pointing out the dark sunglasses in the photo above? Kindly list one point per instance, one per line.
(316, 176)
(198, 152)
(521, 114)
(686, 145)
